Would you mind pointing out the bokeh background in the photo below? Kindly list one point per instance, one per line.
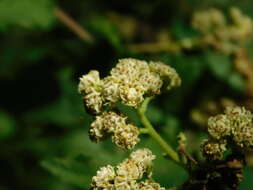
(43, 125)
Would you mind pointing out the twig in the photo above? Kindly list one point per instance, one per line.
(73, 25)
(182, 150)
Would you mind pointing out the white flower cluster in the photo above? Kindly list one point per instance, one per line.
(214, 149)
(128, 83)
(219, 126)
(235, 125)
(91, 86)
(220, 32)
(124, 135)
(241, 125)
(128, 174)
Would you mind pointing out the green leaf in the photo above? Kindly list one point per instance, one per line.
(78, 142)
(180, 30)
(236, 81)
(190, 68)
(103, 27)
(220, 65)
(67, 170)
(247, 181)
(26, 13)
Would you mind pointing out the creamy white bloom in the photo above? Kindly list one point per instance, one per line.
(214, 149)
(241, 125)
(104, 178)
(94, 102)
(219, 126)
(234, 126)
(104, 124)
(89, 83)
(143, 159)
(126, 136)
(129, 82)
(166, 72)
(149, 185)
(127, 175)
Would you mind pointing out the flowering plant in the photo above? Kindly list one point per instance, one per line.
(135, 83)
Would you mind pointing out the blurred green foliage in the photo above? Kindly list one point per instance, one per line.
(43, 125)
(26, 13)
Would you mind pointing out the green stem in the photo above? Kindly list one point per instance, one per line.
(152, 132)
(144, 131)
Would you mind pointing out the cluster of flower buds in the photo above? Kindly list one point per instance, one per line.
(226, 35)
(124, 135)
(234, 126)
(128, 174)
(214, 149)
(129, 82)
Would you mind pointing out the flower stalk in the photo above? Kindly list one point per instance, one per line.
(173, 155)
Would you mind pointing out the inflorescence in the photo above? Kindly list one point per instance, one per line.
(132, 80)
(128, 174)
(221, 33)
(234, 127)
(129, 82)
(124, 135)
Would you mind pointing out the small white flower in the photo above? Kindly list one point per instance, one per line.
(89, 83)
(104, 178)
(219, 126)
(126, 136)
(128, 174)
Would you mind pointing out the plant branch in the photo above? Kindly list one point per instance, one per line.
(152, 132)
(73, 25)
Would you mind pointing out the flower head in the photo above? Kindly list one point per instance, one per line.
(93, 102)
(166, 72)
(129, 82)
(219, 126)
(143, 158)
(127, 171)
(111, 89)
(124, 135)
(214, 149)
(128, 174)
(149, 185)
(241, 125)
(104, 178)
(89, 83)
(234, 126)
